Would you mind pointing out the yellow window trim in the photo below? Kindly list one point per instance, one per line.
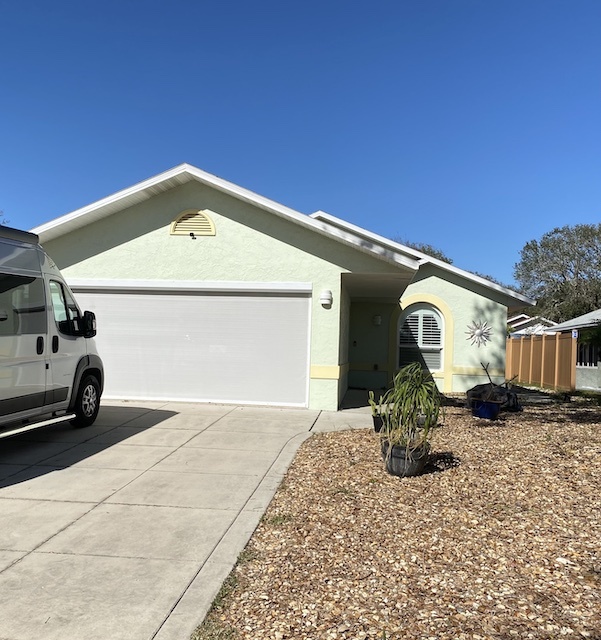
(477, 371)
(446, 375)
(193, 222)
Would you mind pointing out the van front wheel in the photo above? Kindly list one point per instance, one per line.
(87, 403)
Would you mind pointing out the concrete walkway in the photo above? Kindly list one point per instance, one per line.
(127, 529)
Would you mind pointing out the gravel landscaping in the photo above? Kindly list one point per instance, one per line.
(501, 538)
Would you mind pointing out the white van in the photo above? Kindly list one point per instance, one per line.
(50, 370)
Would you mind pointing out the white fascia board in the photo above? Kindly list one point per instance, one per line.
(374, 248)
(588, 320)
(190, 286)
(104, 202)
(520, 316)
(518, 325)
(374, 237)
(562, 328)
(418, 255)
(147, 186)
(144, 190)
(536, 320)
(300, 218)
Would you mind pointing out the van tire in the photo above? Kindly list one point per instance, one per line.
(87, 402)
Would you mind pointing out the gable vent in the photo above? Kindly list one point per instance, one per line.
(193, 222)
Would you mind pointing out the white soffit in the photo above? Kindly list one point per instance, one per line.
(422, 258)
(111, 204)
(185, 173)
(369, 286)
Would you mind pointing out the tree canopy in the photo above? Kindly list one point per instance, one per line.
(562, 271)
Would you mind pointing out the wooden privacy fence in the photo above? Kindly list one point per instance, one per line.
(542, 361)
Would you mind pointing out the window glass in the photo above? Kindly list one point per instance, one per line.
(66, 313)
(22, 305)
(15, 257)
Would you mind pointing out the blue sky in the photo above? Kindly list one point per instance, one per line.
(471, 125)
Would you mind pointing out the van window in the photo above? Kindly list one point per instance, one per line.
(22, 305)
(18, 257)
(66, 313)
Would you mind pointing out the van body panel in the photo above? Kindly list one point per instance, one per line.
(64, 351)
(44, 351)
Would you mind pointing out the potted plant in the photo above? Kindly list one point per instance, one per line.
(376, 411)
(485, 400)
(410, 410)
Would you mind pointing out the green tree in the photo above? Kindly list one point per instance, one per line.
(562, 271)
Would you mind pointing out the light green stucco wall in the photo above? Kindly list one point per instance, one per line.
(462, 302)
(373, 353)
(250, 245)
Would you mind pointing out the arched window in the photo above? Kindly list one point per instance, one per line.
(420, 337)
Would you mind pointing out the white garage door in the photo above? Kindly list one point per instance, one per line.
(247, 347)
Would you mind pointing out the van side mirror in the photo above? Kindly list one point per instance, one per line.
(89, 324)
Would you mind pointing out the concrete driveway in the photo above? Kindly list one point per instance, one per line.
(126, 529)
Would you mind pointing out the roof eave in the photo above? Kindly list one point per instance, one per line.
(422, 257)
(186, 172)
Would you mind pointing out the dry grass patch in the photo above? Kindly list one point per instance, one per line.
(502, 539)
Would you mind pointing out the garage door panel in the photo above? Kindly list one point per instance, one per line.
(230, 348)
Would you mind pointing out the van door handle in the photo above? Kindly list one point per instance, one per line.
(54, 344)
(39, 345)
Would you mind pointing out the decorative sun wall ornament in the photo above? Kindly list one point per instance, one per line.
(478, 332)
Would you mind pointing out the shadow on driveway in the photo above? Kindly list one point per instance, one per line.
(41, 451)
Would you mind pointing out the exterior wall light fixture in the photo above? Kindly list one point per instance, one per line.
(325, 298)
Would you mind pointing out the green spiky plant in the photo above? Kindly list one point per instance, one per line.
(376, 407)
(410, 409)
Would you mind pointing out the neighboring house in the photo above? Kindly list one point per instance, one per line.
(587, 321)
(205, 291)
(525, 325)
(588, 371)
(558, 358)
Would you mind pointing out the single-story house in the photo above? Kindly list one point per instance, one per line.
(205, 291)
(588, 320)
(525, 325)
